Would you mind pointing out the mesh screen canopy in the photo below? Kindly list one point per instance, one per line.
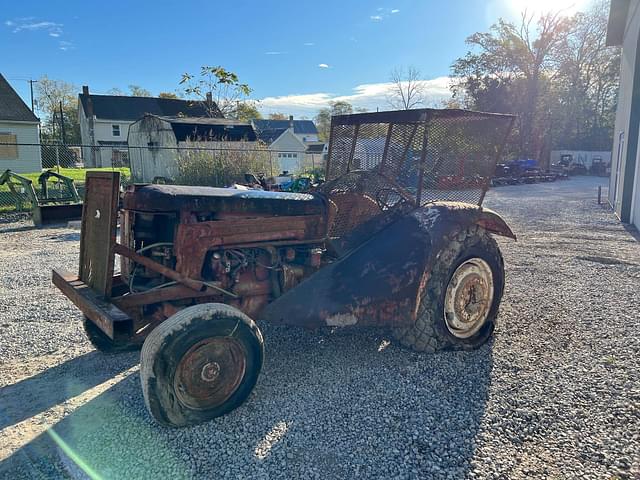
(411, 156)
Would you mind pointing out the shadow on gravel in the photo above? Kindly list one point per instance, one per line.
(66, 237)
(327, 405)
(55, 385)
(105, 438)
(633, 231)
(24, 228)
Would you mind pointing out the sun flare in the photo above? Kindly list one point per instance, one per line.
(567, 7)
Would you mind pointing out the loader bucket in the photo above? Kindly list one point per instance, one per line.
(56, 213)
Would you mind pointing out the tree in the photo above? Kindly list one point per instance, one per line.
(138, 91)
(407, 89)
(277, 116)
(217, 89)
(49, 95)
(509, 70)
(586, 84)
(168, 95)
(556, 73)
(323, 118)
(116, 92)
(247, 111)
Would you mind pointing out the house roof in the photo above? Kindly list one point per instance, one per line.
(269, 136)
(12, 108)
(210, 129)
(117, 107)
(315, 147)
(618, 11)
(299, 126)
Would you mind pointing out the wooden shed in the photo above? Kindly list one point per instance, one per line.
(155, 142)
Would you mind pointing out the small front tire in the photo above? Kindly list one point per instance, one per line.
(199, 364)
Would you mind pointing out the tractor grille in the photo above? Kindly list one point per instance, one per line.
(378, 161)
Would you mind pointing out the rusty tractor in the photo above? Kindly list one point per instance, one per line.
(395, 237)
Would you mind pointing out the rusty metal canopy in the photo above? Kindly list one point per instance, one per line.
(379, 161)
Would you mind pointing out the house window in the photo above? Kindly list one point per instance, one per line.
(115, 130)
(8, 151)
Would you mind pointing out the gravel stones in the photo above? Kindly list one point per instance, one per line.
(555, 394)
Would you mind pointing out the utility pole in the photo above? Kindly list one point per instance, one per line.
(31, 82)
(62, 124)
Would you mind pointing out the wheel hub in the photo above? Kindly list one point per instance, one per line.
(210, 372)
(468, 298)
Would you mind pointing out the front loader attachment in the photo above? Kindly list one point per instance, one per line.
(48, 205)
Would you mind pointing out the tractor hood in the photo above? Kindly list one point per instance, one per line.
(173, 198)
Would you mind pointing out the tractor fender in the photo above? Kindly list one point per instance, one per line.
(379, 282)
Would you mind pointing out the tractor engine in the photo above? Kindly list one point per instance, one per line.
(245, 277)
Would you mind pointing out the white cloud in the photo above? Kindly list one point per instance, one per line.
(369, 96)
(323, 65)
(309, 44)
(275, 53)
(29, 24)
(376, 18)
(64, 45)
(395, 10)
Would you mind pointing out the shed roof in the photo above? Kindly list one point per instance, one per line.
(117, 107)
(12, 108)
(211, 129)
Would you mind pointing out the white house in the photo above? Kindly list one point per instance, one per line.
(624, 185)
(19, 132)
(294, 142)
(105, 120)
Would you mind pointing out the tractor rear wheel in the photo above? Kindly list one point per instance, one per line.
(460, 302)
(199, 364)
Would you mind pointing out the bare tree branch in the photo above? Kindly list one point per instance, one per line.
(407, 89)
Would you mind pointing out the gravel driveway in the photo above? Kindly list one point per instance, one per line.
(555, 395)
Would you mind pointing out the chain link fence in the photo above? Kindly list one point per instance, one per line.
(193, 163)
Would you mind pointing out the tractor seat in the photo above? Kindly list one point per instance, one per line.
(173, 198)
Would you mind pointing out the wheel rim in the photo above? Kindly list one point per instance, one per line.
(210, 372)
(468, 298)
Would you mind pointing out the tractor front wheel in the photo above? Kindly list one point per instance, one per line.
(199, 364)
(460, 302)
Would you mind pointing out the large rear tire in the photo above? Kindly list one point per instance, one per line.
(460, 302)
(199, 364)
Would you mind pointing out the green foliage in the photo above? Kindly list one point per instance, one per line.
(138, 91)
(168, 95)
(323, 118)
(224, 166)
(554, 72)
(246, 111)
(219, 90)
(49, 94)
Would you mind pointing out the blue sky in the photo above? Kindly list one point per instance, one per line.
(296, 56)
